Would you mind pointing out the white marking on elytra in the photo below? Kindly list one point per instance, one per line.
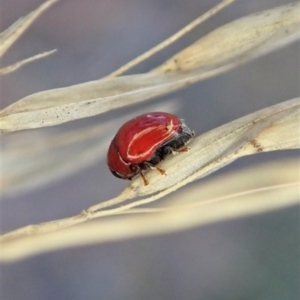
(121, 159)
(169, 127)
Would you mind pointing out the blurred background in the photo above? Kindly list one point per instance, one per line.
(251, 258)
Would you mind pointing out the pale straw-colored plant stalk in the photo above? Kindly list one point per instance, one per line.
(270, 129)
(228, 201)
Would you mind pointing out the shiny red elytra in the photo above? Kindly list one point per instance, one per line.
(142, 142)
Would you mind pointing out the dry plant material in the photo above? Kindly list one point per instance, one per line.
(250, 36)
(13, 33)
(194, 208)
(21, 63)
(277, 27)
(270, 129)
(172, 38)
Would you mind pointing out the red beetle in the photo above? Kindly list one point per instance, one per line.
(144, 141)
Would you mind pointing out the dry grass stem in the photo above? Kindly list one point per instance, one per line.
(250, 36)
(211, 205)
(247, 38)
(21, 63)
(13, 33)
(172, 39)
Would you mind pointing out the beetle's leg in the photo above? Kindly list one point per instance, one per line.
(184, 149)
(138, 169)
(146, 182)
(161, 171)
(176, 151)
(152, 166)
